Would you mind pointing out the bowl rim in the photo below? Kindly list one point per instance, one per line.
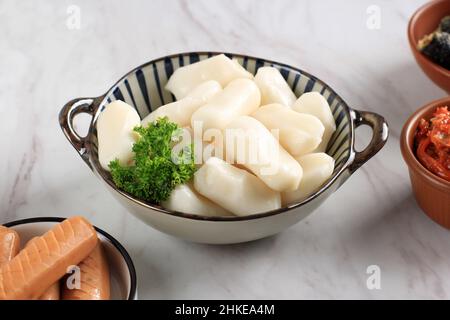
(147, 205)
(407, 135)
(111, 239)
(413, 42)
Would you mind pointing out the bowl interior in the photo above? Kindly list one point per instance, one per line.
(143, 88)
(408, 137)
(122, 272)
(427, 19)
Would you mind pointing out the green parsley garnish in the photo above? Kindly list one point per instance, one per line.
(155, 171)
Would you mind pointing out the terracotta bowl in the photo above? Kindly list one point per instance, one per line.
(424, 21)
(432, 192)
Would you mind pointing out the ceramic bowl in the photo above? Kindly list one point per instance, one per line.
(432, 192)
(424, 21)
(123, 274)
(143, 88)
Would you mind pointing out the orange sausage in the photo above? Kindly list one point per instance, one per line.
(52, 293)
(9, 244)
(46, 260)
(94, 282)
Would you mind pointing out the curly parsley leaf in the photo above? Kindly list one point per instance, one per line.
(155, 171)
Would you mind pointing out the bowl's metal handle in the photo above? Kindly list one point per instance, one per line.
(66, 116)
(379, 138)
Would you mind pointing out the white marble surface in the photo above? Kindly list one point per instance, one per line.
(373, 219)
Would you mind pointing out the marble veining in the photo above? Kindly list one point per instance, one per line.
(372, 220)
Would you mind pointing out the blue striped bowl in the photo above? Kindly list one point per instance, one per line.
(143, 88)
